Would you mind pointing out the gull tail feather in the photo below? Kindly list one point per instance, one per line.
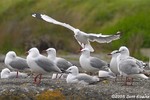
(143, 76)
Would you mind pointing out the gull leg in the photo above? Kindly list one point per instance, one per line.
(116, 78)
(56, 75)
(35, 79)
(131, 81)
(121, 77)
(60, 76)
(17, 74)
(126, 80)
(40, 78)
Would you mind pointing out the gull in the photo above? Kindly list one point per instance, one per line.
(14, 62)
(91, 64)
(106, 74)
(75, 77)
(83, 38)
(113, 62)
(40, 64)
(129, 66)
(62, 63)
(126, 54)
(6, 73)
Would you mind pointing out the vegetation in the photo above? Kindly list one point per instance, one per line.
(51, 95)
(20, 31)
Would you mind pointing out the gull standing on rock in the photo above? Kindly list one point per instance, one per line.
(40, 64)
(129, 66)
(113, 62)
(91, 64)
(126, 54)
(6, 73)
(14, 62)
(75, 77)
(62, 63)
(82, 37)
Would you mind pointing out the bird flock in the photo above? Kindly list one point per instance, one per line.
(120, 65)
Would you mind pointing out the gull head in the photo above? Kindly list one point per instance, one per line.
(124, 50)
(51, 51)
(33, 52)
(114, 53)
(73, 70)
(5, 72)
(11, 54)
(85, 52)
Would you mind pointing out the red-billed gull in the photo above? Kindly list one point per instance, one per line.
(6, 73)
(91, 64)
(75, 77)
(129, 66)
(62, 63)
(83, 38)
(113, 62)
(14, 62)
(40, 64)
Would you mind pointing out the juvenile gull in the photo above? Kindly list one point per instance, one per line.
(75, 77)
(129, 66)
(62, 63)
(14, 62)
(91, 64)
(40, 64)
(6, 73)
(82, 37)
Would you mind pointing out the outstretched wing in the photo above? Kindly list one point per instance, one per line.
(51, 20)
(103, 38)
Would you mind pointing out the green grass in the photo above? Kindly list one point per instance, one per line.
(100, 16)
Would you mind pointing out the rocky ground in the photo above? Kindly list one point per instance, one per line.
(52, 89)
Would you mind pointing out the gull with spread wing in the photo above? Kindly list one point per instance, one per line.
(83, 38)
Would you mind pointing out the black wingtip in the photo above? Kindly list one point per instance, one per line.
(37, 15)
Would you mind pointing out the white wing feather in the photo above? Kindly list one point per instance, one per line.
(103, 38)
(51, 20)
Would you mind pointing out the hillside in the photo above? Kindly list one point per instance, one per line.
(20, 31)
